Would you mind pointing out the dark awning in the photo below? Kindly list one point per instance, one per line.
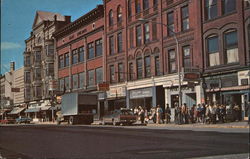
(32, 110)
(16, 110)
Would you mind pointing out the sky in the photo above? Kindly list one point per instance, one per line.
(17, 17)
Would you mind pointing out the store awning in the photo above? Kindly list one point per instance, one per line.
(236, 92)
(16, 110)
(45, 108)
(32, 110)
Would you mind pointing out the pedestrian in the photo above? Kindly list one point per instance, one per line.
(184, 113)
(167, 114)
(191, 113)
(158, 114)
(141, 114)
(198, 113)
(213, 114)
(203, 112)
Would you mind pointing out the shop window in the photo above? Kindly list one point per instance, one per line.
(170, 24)
(185, 18)
(139, 68)
(231, 47)
(213, 51)
(210, 9)
(172, 61)
(147, 62)
(228, 6)
(146, 33)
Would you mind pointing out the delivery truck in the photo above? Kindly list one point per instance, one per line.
(77, 108)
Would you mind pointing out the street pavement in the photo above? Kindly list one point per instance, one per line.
(109, 142)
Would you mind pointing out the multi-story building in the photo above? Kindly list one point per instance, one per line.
(79, 53)
(39, 56)
(226, 55)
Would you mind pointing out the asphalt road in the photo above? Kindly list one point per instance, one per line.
(50, 141)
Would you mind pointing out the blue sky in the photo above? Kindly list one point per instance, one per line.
(17, 17)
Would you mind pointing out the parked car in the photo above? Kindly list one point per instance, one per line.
(117, 117)
(8, 121)
(23, 120)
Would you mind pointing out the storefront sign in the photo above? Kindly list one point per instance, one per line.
(116, 92)
(141, 93)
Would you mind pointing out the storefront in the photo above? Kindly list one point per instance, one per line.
(16, 112)
(116, 98)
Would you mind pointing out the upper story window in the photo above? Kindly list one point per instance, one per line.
(185, 18)
(145, 4)
(49, 49)
(157, 66)
(138, 35)
(81, 80)
(37, 73)
(27, 77)
(91, 77)
(74, 56)
(66, 82)
(213, 51)
(129, 8)
(146, 33)
(131, 71)
(50, 69)
(112, 73)
(111, 45)
(27, 61)
(137, 6)
(99, 75)
(111, 20)
(98, 47)
(91, 51)
(154, 29)
(147, 66)
(119, 42)
(210, 9)
(186, 57)
(170, 22)
(171, 61)
(75, 81)
(131, 37)
(155, 3)
(120, 72)
(119, 14)
(139, 68)
(81, 54)
(231, 47)
(38, 56)
(228, 6)
(66, 59)
(61, 61)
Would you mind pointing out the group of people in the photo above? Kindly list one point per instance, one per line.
(200, 113)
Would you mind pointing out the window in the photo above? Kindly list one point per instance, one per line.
(61, 61)
(98, 47)
(81, 54)
(170, 22)
(66, 58)
(186, 57)
(147, 66)
(185, 18)
(139, 68)
(91, 75)
(37, 74)
(172, 64)
(137, 6)
(112, 73)
(111, 45)
(66, 81)
(157, 66)
(119, 42)
(231, 47)
(120, 72)
(154, 29)
(91, 51)
(74, 56)
(210, 9)
(119, 14)
(213, 51)
(228, 6)
(131, 71)
(169, 2)
(27, 93)
(146, 33)
(27, 76)
(37, 56)
(111, 22)
(248, 30)
(49, 49)
(131, 35)
(99, 75)
(50, 69)
(155, 3)
(129, 8)
(61, 84)
(138, 35)
(145, 4)
(75, 81)
(27, 61)
(38, 91)
(81, 80)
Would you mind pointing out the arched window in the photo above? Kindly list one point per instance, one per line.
(119, 14)
(111, 21)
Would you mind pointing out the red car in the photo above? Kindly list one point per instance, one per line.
(8, 121)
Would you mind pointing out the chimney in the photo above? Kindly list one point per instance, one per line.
(68, 19)
(55, 18)
(12, 66)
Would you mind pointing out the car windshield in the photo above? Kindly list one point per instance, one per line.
(127, 112)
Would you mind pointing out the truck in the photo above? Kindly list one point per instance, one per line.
(77, 108)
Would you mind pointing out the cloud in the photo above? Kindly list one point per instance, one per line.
(10, 45)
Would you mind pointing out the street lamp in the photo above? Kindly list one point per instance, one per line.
(177, 50)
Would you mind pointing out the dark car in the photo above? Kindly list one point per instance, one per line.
(117, 117)
(8, 121)
(23, 120)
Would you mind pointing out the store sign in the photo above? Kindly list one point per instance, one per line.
(103, 86)
(141, 93)
(116, 92)
(191, 76)
(15, 89)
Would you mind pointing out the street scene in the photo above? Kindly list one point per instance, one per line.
(125, 79)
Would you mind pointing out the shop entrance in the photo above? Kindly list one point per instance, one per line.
(174, 100)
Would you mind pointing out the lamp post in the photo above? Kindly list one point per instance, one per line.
(177, 51)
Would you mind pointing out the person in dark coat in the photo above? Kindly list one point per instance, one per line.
(167, 114)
